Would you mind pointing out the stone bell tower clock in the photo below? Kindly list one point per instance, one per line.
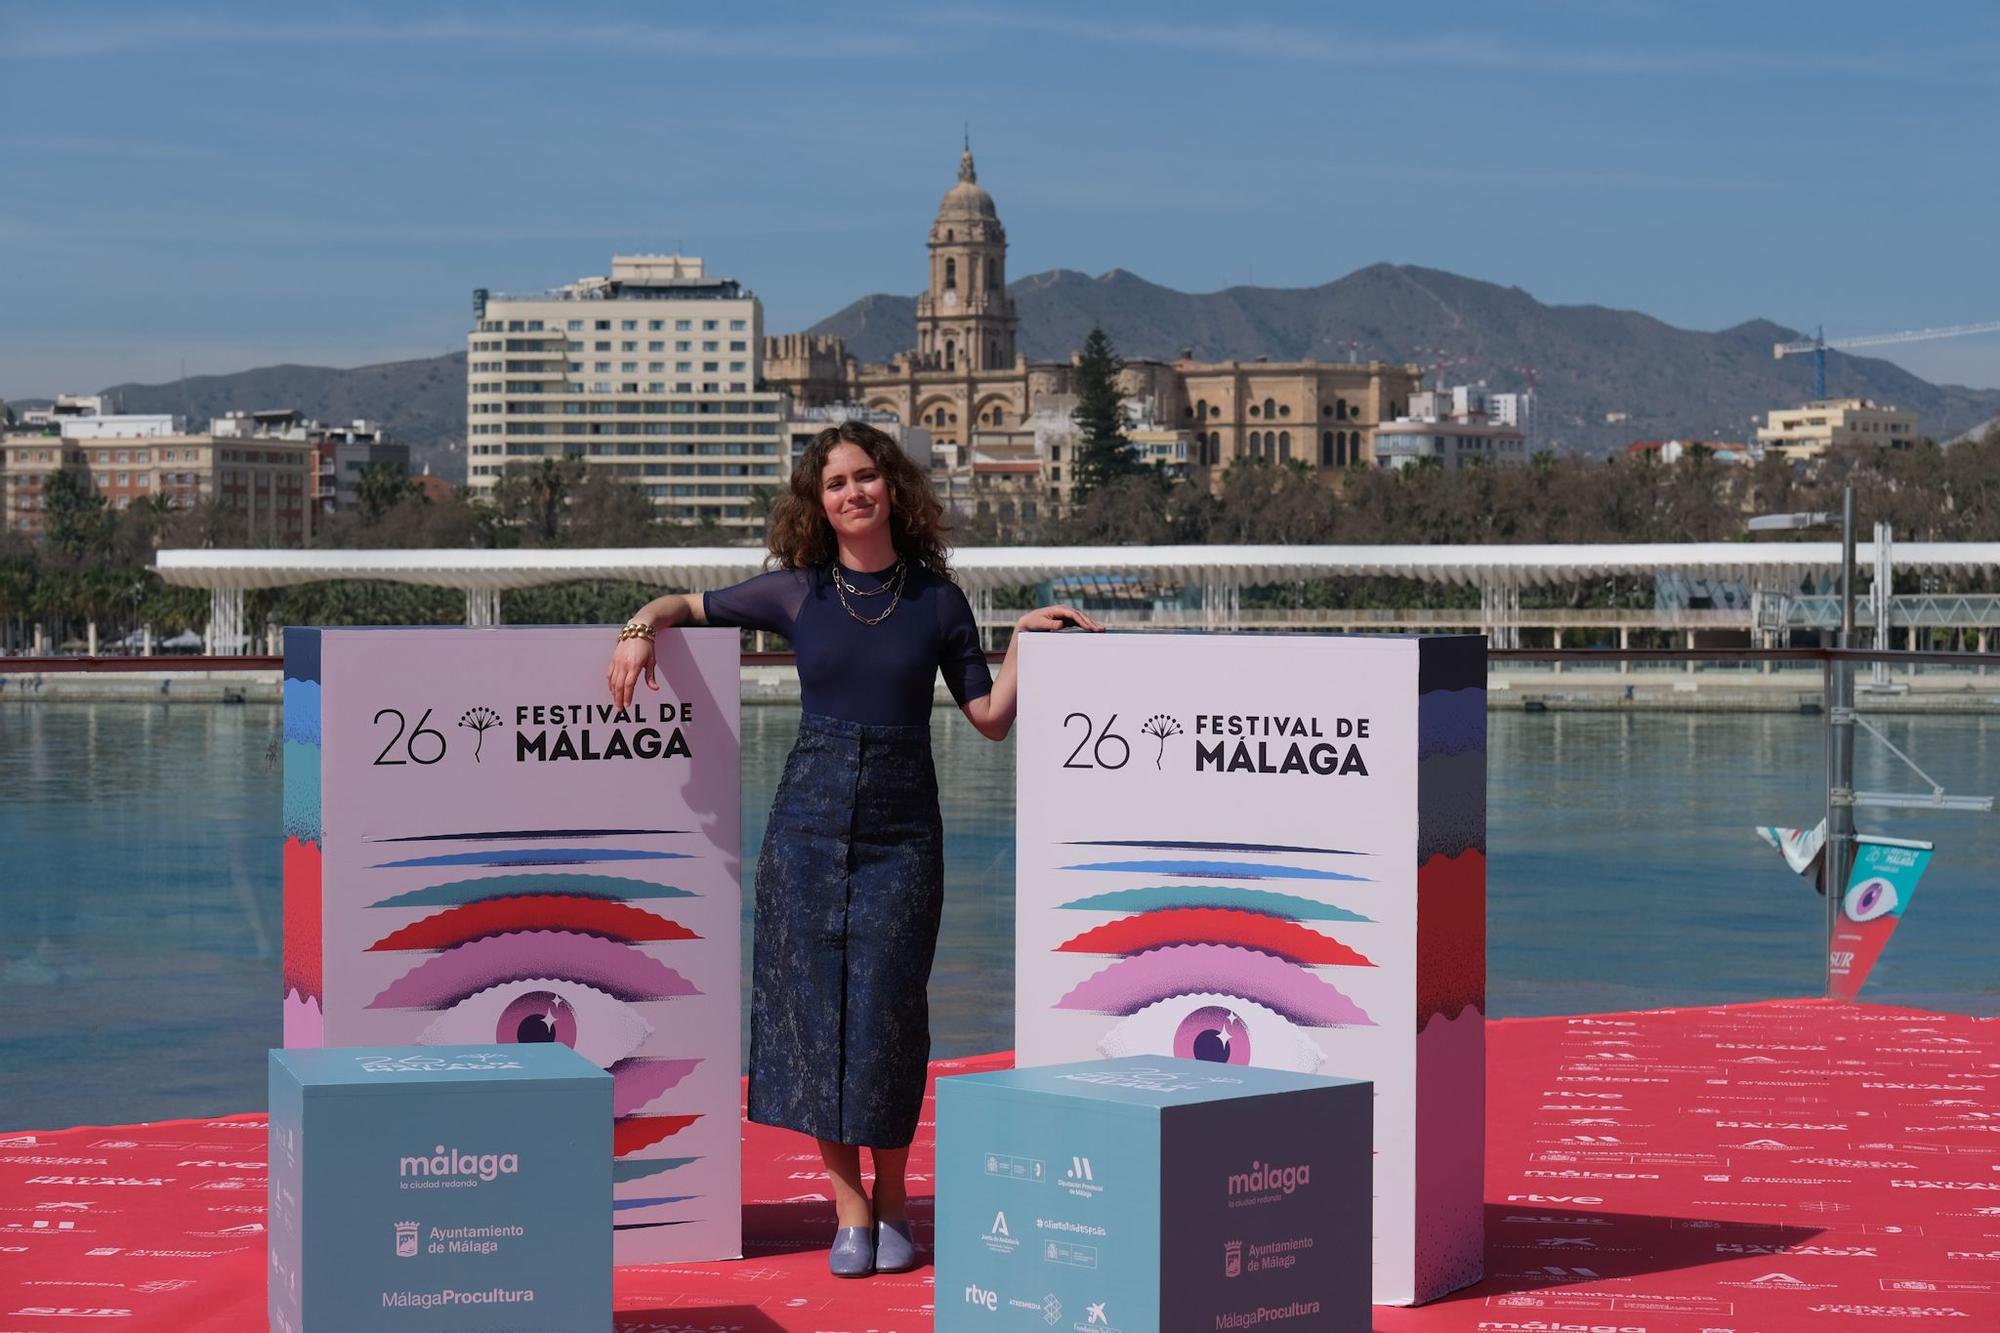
(965, 320)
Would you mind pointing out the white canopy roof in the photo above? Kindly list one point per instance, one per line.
(986, 567)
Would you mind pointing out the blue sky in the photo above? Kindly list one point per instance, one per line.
(224, 187)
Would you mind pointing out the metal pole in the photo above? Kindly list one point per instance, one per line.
(1839, 853)
(1847, 568)
(1882, 594)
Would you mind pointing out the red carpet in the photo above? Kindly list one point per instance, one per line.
(1748, 1169)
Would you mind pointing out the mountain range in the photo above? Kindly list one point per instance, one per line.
(422, 402)
(1603, 377)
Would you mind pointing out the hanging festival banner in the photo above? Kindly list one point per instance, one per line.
(480, 847)
(1271, 850)
(1879, 889)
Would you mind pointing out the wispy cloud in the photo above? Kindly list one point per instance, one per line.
(1299, 44)
(237, 228)
(80, 145)
(168, 31)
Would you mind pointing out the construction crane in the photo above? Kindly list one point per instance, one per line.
(1818, 343)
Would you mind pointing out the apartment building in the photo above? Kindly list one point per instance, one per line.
(804, 423)
(132, 458)
(651, 375)
(1810, 430)
(340, 453)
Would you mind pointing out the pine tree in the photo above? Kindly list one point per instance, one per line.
(1103, 452)
(77, 519)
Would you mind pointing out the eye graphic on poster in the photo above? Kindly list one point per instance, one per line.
(640, 1168)
(1869, 899)
(1215, 870)
(1129, 985)
(550, 955)
(1215, 972)
(1222, 1029)
(1161, 897)
(610, 888)
(530, 856)
(499, 973)
(612, 966)
(597, 1026)
(482, 917)
(1245, 929)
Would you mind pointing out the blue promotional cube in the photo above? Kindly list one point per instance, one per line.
(439, 1187)
(1115, 1196)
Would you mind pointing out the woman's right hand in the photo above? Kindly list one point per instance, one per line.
(630, 660)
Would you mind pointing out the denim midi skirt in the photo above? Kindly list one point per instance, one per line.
(850, 885)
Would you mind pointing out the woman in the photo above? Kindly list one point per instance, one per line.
(851, 880)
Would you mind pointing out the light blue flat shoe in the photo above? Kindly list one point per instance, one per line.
(895, 1251)
(853, 1252)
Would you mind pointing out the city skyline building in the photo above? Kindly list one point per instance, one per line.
(129, 458)
(805, 423)
(340, 453)
(1810, 429)
(1455, 428)
(651, 375)
(967, 382)
(1517, 410)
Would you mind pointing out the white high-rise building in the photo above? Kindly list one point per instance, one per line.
(1516, 410)
(652, 376)
(1455, 428)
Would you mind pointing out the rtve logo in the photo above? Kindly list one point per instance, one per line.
(986, 1299)
(75, 1312)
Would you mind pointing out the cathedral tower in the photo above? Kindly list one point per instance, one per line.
(965, 321)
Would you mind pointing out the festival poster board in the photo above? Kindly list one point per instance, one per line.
(1270, 849)
(480, 848)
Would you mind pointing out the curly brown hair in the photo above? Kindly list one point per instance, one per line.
(801, 537)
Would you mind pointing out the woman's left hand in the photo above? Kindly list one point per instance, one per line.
(1055, 617)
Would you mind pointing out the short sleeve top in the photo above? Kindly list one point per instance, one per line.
(883, 673)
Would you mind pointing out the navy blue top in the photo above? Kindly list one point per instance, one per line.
(883, 673)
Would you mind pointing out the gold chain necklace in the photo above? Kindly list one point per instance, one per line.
(895, 582)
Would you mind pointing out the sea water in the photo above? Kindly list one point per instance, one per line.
(141, 922)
